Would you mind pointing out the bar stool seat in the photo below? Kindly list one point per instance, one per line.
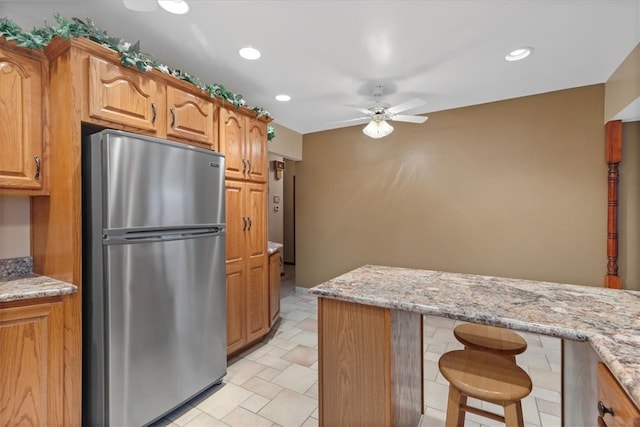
(501, 341)
(484, 376)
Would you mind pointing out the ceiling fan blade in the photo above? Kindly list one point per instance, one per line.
(406, 106)
(362, 109)
(407, 118)
(359, 119)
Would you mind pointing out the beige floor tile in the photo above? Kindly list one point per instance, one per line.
(255, 403)
(183, 415)
(312, 391)
(297, 378)
(242, 370)
(274, 362)
(551, 408)
(206, 420)
(431, 370)
(307, 338)
(278, 352)
(439, 322)
(308, 325)
(263, 388)
(287, 334)
(545, 378)
(289, 409)
(530, 410)
(316, 413)
(435, 395)
(543, 393)
(433, 418)
(255, 353)
(241, 417)
(311, 422)
(165, 422)
(268, 373)
(224, 400)
(315, 365)
(296, 315)
(549, 420)
(283, 344)
(301, 355)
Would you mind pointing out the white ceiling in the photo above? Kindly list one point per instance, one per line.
(330, 54)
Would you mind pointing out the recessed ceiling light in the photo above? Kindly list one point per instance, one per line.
(283, 98)
(179, 7)
(519, 54)
(249, 53)
(141, 5)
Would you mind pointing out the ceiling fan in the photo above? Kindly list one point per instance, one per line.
(379, 113)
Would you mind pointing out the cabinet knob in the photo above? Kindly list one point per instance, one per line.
(37, 160)
(602, 410)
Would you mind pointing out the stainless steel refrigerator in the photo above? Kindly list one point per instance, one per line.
(154, 317)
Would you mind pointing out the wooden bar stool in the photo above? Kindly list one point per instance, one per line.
(484, 376)
(501, 341)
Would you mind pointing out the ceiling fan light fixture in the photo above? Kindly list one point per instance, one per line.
(377, 129)
(519, 54)
(178, 7)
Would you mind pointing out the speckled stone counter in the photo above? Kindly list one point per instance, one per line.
(608, 319)
(273, 247)
(18, 283)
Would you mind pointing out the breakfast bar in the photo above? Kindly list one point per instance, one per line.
(370, 337)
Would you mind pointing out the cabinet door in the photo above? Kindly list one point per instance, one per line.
(31, 365)
(232, 142)
(274, 287)
(21, 110)
(256, 150)
(257, 299)
(122, 96)
(190, 117)
(615, 407)
(256, 208)
(236, 307)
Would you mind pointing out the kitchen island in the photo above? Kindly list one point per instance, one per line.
(370, 337)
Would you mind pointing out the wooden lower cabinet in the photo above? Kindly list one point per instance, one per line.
(31, 363)
(247, 264)
(274, 287)
(615, 408)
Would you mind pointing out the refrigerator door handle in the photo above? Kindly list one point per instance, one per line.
(145, 236)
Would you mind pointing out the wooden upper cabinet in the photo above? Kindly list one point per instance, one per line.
(22, 103)
(123, 96)
(232, 143)
(256, 150)
(190, 117)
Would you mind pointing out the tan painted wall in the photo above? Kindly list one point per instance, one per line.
(514, 188)
(14, 226)
(276, 219)
(629, 207)
(287, 143)
(623, 87)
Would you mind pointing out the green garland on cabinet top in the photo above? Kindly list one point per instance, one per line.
(130, 54)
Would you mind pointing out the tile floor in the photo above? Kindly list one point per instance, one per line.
(274, 383)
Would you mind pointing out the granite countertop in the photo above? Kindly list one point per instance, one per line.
(273, 247)
(17, 282)
(608, 319)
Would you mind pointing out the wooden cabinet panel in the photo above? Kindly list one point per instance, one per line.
(236, 329)
(247, 264)
(256, 150)
(190, 117)
(21, 120)
(274, 287)
(122, 96)
(232, 143)
(615, 407)
(31, 364)
(257, 300)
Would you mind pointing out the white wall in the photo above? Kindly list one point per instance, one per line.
(14, 226)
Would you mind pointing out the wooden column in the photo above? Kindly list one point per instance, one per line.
(613, 157)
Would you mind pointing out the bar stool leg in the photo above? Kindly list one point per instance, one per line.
(455, 414)
(513, 414)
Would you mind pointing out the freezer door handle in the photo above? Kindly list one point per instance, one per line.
(115, 238)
